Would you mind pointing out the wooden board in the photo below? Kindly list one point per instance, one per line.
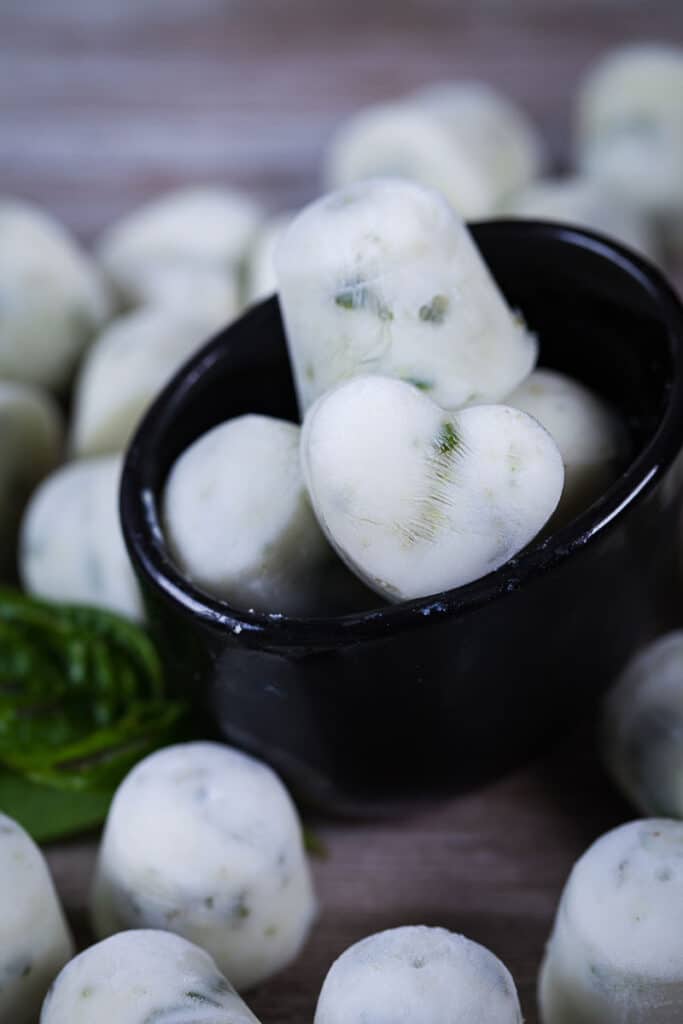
(103, 104)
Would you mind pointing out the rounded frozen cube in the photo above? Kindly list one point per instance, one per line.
(591, 437)
(615, 952)
(416, 500)
(261, 280)
(462, 138)
(184, 248)
(144, 977)
(238, 520)
(71, 545)
(204, 841)
(35, 941)
(384, 278)
(630, 125)
(642, 728)
(52, 300)
(31, 441)
(124, 370)
(497, 135)
(187, 290)
(418, 975)
(588, 203)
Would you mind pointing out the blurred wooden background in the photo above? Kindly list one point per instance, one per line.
(108, 101)
(104, 102)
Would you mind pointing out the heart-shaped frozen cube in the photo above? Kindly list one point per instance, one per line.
(383, 277)
(417, 500)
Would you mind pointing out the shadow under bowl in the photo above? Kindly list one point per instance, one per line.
(439, 694)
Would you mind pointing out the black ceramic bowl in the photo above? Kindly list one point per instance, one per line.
(442, 693)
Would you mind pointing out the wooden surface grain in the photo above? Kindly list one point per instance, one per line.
(103, 104)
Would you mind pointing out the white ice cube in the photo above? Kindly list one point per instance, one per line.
(144, 977)
(35, 941)
(205, 841)
(383, 277)
(52, 299)
(71, 545)
(238, 520)
(418, 975)
(417, 500)
(615, 953)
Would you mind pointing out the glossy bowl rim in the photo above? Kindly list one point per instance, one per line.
(144, 536)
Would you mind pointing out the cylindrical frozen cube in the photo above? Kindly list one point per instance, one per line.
(52, 299)
(642, 728)
(204, 841)
(591, 437)
(615, 953)
(71, 545)
(35, 941)
(184, 249)
(630, 125)
(126, 367)
(384, 278)
(260, 268)
(31, 439)
(238, 520)
(588, 203)
(462, 138)
(418, 975)
(144, 977)
(416, 500)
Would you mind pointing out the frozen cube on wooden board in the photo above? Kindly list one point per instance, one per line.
(418, 975)
(35, 941)
(144, 977)
(616, 950)
(204, 841)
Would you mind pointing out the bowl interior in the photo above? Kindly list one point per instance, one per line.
(602, 315)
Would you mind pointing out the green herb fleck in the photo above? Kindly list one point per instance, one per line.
(435, 312)
(240, 909)
(447, 440)
(357, 295)
(345, 299)
(199, 997)
(417, 382)
(314, 845)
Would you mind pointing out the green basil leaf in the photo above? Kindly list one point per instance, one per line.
(48, 813)
(82, 699)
